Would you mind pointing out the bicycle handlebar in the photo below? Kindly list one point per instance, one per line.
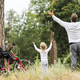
(11, 47)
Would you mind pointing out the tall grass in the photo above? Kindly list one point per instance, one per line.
(57, 71)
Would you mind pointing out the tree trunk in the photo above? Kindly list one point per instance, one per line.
(2, 31)
(54, 47)
(53, 50)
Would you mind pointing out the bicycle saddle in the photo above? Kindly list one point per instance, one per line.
(5, 54)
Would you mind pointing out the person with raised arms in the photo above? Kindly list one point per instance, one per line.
(73, 31)
(43, 55)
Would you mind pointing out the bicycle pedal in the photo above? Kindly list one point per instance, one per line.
(11, 69)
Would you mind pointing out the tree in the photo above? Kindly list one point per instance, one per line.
(2, 35)
(9, 26)
(54, 47)
(2, 31)
(10, 14)
(35, 25)
(62, 9)
(12, 30)
(25, 30)
(29, 33)
(40, 8)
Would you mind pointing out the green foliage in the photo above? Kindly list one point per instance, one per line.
(25, 29)
(62, 9)
(36, 24)
(37, 61)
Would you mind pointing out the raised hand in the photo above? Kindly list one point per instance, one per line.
(51, 40)
(33, 42)
(50, 13)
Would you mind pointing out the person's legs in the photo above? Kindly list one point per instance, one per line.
(44, 66)
(73, 51)
(79, 49)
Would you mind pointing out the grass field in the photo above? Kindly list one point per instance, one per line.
(56, 72)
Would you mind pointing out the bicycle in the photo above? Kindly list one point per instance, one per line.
(19, 65)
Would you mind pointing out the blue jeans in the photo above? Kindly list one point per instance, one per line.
(44, 66)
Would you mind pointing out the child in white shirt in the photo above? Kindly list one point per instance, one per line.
(43, 54)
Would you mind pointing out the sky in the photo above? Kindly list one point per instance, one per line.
(16, 5)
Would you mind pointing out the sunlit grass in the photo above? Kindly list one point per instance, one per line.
(56, 72)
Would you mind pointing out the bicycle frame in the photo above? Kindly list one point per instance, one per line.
(20, 64)
(7, 68)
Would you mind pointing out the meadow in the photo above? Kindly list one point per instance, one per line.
(57, 71)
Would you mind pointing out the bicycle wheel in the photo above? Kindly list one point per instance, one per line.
(27, 66)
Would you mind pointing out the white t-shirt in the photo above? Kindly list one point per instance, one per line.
(72, 28)
(43, 54)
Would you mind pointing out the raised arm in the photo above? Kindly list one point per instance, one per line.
(62, 23)
(37, 49)
(51, 40)
(50, 45)
(33, 43)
